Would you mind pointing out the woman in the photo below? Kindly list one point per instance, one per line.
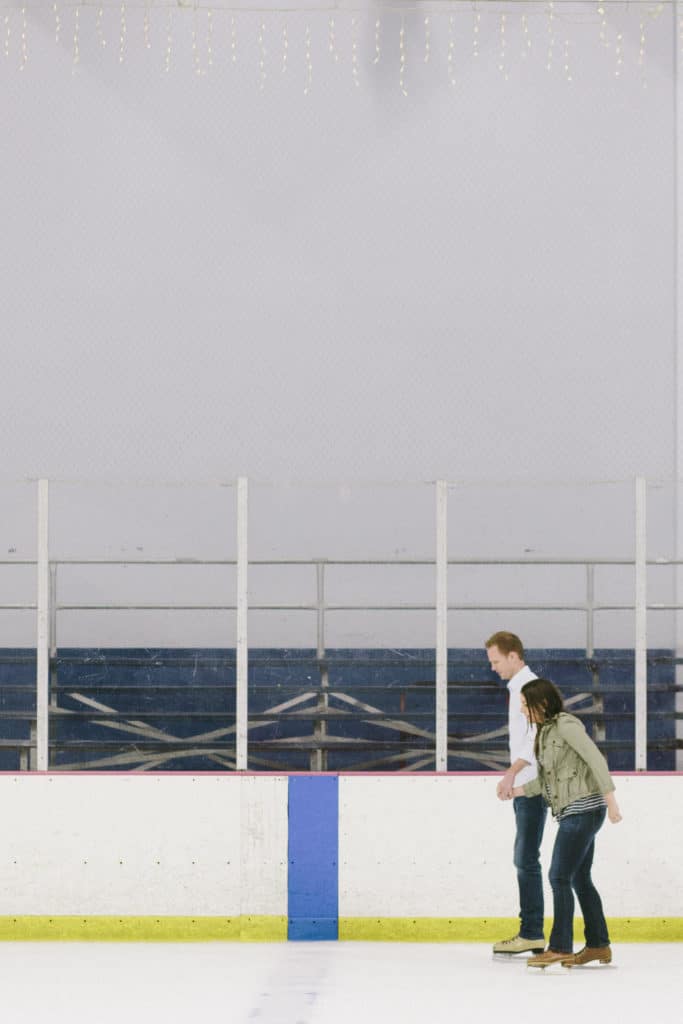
(575, 781)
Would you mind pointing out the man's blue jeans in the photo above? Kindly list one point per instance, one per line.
(571, 869)
(530, 813)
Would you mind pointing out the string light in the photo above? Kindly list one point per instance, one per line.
(354, 51)
(603, 26)
(378, 30)
(146, 27)
(567, 66)
(122, 34)
(331, 41)
(262, 56)
(169, 40)
(309, 62)
(641, 52)
(77, 41)
(618, 53)
(98, 28)
(502, 66)
(608, 36)
(285, 48)
(24, 40)
(209, 39)
(451, 52)
(551, 36)
(475, 40)
(8, 33)
(527, 36)
(195, 46)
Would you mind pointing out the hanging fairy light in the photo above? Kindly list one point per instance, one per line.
(8, 34)
(354, 51)
(551, 37)
(262, 57)
(559, 51)
(526, 36)
(196, 63)
(566, 62)
(233, 39)
(169, 40)
(209, 39)
(641, 51)
(332, 41)
(402, 57)
(475, 34)
(285, 48)
(502, 64)
(146, 27)
(619, 55)
(123, 29)
(309, 61)
(76, 56)
(603, 26)
(24, 41)
(378, 52)
(98, 27)
(451, 52)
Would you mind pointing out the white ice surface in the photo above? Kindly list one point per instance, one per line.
(327, 983)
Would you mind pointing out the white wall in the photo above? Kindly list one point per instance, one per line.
(203, 278)
(442, 847)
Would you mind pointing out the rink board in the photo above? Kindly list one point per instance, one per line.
(268, 857)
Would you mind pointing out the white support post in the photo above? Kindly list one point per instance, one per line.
(43, 631)
(641, 626)
(242, 647)
(441, 626)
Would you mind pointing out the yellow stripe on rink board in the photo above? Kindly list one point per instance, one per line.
(493, 929)
(143, 929)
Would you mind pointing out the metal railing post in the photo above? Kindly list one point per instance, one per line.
(319, 756)
(641, 625)
(43, 630)
(441, 626)
(242, 646)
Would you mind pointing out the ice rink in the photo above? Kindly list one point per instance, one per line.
(326, 983)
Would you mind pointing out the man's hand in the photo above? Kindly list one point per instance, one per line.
(504, 787)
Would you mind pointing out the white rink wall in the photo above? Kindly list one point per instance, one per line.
(442, 847)
(212, 845)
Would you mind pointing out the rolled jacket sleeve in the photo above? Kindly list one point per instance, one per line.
(532, 788)
(575, 736)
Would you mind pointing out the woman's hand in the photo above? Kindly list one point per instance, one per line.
(518, 791)
(613, 812)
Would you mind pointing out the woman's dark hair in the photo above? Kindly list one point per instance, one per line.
(544, 701)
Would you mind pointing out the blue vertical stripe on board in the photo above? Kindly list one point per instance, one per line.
(313, 876)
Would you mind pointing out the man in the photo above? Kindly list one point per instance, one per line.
(506, 657)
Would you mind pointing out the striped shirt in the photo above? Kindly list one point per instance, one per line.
(592, 802)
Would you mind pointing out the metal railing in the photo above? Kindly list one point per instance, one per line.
(47, 608)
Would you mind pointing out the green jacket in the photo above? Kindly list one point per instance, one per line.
(569, 764)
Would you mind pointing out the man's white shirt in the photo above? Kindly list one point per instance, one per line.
(522, 734)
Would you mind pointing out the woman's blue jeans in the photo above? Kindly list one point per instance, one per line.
(570, 869)
(530, 814)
